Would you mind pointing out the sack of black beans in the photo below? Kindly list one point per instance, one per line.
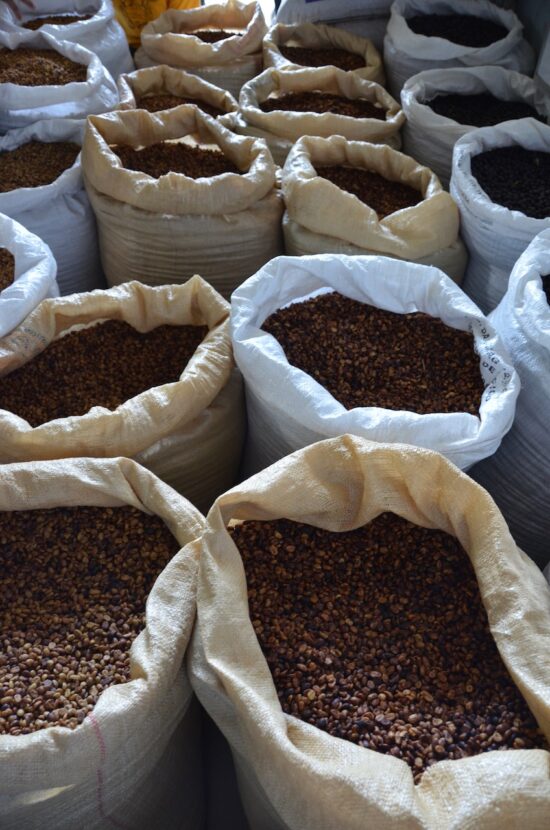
(221, 43)
(98, 724)
(441, 34)
(195, 199)
(41, 187)
(518, 475)
(282, 105)
(92, 25)
(501, 184)
(359, 642)
(133, 371)
(383, 349)
(315, 45)
(160, 88)
(352, 197)
(27, 273)
(41, 78)
(442, 105)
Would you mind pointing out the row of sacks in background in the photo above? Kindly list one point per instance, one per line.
(136, 758)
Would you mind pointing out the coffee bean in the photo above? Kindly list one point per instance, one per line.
(464, 29)
(66, 631)
(382, 195)
(324, 102)
(546, 286)
(516, 178)
(156, 103)
(7, 268)
(365, 356)
(104, 365)
(483, 110)
(212, 35)
(340, 58)
(56, 20)
(415, 672)
(35, 163)
(164, 157)
(39, 67)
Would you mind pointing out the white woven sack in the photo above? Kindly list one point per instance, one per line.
(60, 212)
(227, 63)
(429, 137)
(366, 19)
(165, 80)
(101, 34)
(165, 230)
(306, 412)
(281, 129)
(495, 236)
(34, 274)
(135, 761)
(323, 218)
(518, 475)
(190, 432)
(294, 776)
(407, 54)
(21, 105)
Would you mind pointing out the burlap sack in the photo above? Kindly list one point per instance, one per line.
(227, 63)
(164, 80)
(331, 217)
(186, 419)
(135, 761)
(294, 776)
(281, 129)
(320, 36)
(165, 230)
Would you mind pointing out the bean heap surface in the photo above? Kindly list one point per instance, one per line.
(39, 67)
(73, 586)
(379, 193)
(160, 101)
(7, 268)
(324, 102)
(56, 20)
(213, 35)
(464, 29)
(379, 636)
(104, 365)
(516, 178)
(365, 356)
(483, 110)
(165, 157)
(340, 58)
(35, 163)
(546, 287)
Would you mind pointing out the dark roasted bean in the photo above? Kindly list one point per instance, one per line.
(483, 110)
(304, 56)
(324, 102)
(39, 67)
(516, 178)
(213, 35)
(381, 194)
(464, 29)
(56, 20)
(7, 268)
(164, 157)
(35, 163)
(546, 287)
(161, 101)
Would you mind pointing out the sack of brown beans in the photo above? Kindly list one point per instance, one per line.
(92, 25)
(162, 87)
(98, 724)
(27, 273)
(221, 43)
(442, 105)
(352, 197)
(194, 199)
(389, 350)
(282, 105)
(501, 184)
(441, 34)
(315, 45)
(133, 371)
(518, 475)
(41, 187)
(41, 78)
(374, 646)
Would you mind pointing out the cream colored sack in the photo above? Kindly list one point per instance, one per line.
(320, 36)
(426, 233)
(281, 128)
(183, 418)
(228, 63)
(165, 230)
(164, 80)
(294, 776)
(135, 761)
